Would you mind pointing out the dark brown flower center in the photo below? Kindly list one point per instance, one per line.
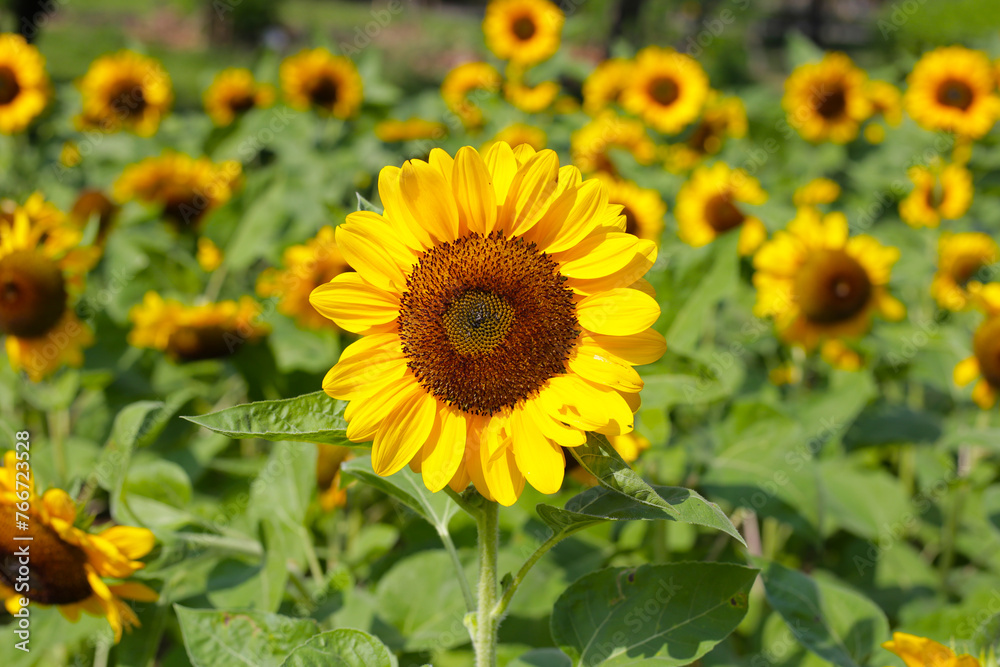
(127, 98)
(9, 87)
(92, 203)
(832, 287)
(986, 347)
(966, 267)
(324, 92)
(832, 104)
(934, 195)
(955, 93)
(32, 294)
(524, 28)
(197, 343)
(185, 210)
(241, 103)
(486, 322)
(631, 225)
(722, 214)
(55, 571)
(664, 90)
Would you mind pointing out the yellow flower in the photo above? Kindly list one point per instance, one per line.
(91, 203)
(667, 89)
(306, 267)
(707, 207)
(24, 84)
(984, 364)
(124, 91)
(69, 565)
(328, 461)
(818, 284)
(922, 652)
(502, 309)
(315, 78)
(233, 92)
(41, 272)
(643, 208)
(960, 258)
(187, 189)
(209, 255)
(523, 31)
(722, 117)
(938, 194)
(391, 131)
(952, 88)
(194, 333)
(839, 355)
(605, 84)
(465, 82)
(826, 101)
(517, 134)
(592, 144)
(530, 99)
(816, 192)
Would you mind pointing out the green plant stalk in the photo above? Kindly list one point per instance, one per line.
(449, 545)
(484, 626)
(501, 607)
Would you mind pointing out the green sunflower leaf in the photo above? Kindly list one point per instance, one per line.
(833, 621)
(217, 637)
(312, 417)
(666, 614)
(408, 488)
(599, 504)
(342, 648)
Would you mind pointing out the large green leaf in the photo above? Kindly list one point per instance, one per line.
(312, 417)
(601, 460)
(719, 282)
(131, 426)
(215, 637)
(600, 504)
(666, 614)
(342, 648)
(408, 488)
(836, 623)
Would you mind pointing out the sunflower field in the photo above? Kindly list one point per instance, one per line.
(504, 333)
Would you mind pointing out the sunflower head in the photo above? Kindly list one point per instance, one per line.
(124, 91)
(317, 79)
(233, 92)
(593, 145)
(939, 193)
(643, 208)
(604, 86)
(24, 84)
(826, 101)
(525, 32)
(465, 83)
(963, 259)
(667, 89)
(527, 98)
(501, 310)
(712, 202)
(953, 88)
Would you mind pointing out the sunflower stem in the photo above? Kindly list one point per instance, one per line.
(501, 608)
(469, 509)
(449, 545)
(484, 625)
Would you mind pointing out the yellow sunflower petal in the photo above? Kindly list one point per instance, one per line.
(365, 417)
(966, 371)
(404, 432)
(58, 505)
(133, 590)
(502, 476)
(355, 305)
(541, 462)
(593, 363)
(442, 454)
(617, 312)
(637, 349)
(131, 542)
(604, 254)
(984, 395)
(502, 167)
(474, 194)
(533, 186)
(353, 375)
(368, 243)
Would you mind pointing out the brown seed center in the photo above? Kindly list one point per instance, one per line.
(128, 98)
(9, 86)
(831, 104)
(832, 287)
(486, 322)
(197, 343)
(955, 93)
(325, 92)
(986, 347)
(524, 28)
(966, 267)
(664, 90)
(241, 103)
(722, 214)
(32, 294)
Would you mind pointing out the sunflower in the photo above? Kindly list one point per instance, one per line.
(984, 363)
(90, 204)
(502, 309)
(233, 92)
(523, 31)
(922, 652)
(667, 89)
(24, 83)
(816, 192)
(42, 268)
(185, 188)
(592, 144)
(722, 117)
(826, 101)
(961, 258)
(952, 88)
(818, 284)
(306, 267)
(195, 333)
(707, 207)
(886, 101)
(68, 565)
(517, 134)
(315, 78)
(391, 131)
(604, 86)
(939, 193)
(643, 208)
(328, 461)
(529, 99)
(124, 91)
(467, 81)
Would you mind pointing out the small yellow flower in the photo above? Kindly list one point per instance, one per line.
(68, 565)
(391, 131)
(209, 255)
(836, 353)
(826, 101)
(517, 134)
(816, 192)
(667, 89)
(605, 84)
(938, 194)
(24, 84)
(643, 208)
(530, 99)
(708, 206)
(592, 146)
(465, 85)
(922, 652)
(125, 91)
(233, 92)
(525, 32)
(953, 88)
(317, 79)
(961, 258)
